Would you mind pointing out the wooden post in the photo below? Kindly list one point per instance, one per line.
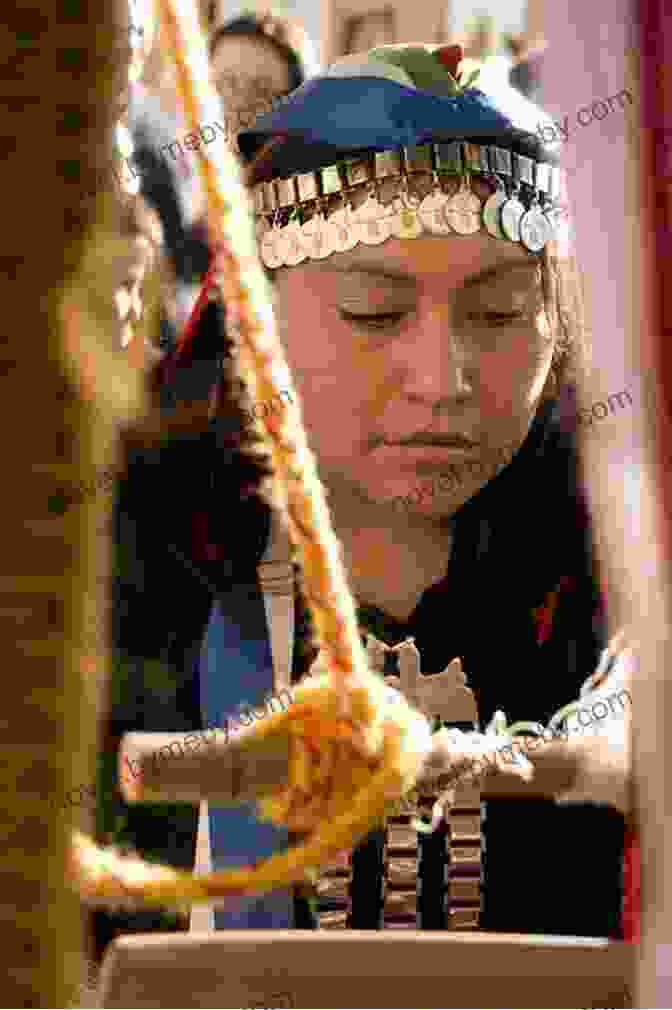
(58, 104)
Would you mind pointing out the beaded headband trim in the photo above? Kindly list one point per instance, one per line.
(296, 220)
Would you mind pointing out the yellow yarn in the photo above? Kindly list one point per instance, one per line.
(343, 777)
(355, 746)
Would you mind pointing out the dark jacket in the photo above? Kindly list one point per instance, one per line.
(183, 533)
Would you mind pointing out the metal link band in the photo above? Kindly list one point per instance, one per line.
(465, 855)
(286, 192)
(525, 169)
(500, 161)
(270, 196)
(453, 158)
(357, 172)
(387, 164)
(331, 180)
(458, 892)
(450, 157)
(542, 179)
(471, 156)
(307, 187)
(418, 159)
(400, 894)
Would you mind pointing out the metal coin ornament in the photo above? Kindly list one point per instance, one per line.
(511, 214)
(492, 211)
(554, 216)
(375, 227)
(405, 222)
(463, 212)
(535, 230)
(432, 214)
(291, 246)
(271, 249)
(346, 229)
(317, 237)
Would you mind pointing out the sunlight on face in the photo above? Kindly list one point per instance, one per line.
(419, 363)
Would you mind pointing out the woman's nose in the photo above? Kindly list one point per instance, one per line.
(438, 362)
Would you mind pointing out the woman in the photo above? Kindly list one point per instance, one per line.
(413, 360)
(425, 300)
(254, 60)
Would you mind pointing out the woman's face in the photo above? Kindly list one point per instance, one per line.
(399, 349)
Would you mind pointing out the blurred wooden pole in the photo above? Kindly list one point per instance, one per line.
(653, 333)
(61, 65)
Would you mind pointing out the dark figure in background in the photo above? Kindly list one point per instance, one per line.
(525, 74)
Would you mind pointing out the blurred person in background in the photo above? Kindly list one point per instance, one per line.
(525, 73)
(514, 59)
(255, 59)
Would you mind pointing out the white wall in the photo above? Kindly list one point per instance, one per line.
(509, 14)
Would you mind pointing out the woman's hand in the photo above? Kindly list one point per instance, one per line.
(599, 732)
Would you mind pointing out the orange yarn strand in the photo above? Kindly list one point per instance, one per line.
(354, 748)
(297, 487)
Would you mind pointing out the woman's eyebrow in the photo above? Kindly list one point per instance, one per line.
(386, 272)
(499, 270)
(373, 272)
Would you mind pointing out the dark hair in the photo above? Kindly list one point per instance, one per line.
(272, 31)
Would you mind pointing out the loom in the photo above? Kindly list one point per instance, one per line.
(69, 377)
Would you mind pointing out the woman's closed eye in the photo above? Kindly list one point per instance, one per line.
(372, 320)
(497, 318)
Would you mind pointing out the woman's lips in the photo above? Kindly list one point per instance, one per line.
(409, 456)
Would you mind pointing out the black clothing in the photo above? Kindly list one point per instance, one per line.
(548, 869)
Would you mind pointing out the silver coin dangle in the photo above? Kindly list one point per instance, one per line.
(317, 236)
(405, 221)
(463, 210)
(510, 215)
(492, 212)
(291, 246)
(271, 248)
(432, 210)
(347, 229)
(375, 225)
(535, 229)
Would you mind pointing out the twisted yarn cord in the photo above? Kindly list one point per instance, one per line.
(297, 487)
(334, 790)
(355, 745)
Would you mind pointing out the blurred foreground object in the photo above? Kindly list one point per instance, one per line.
(651, 573)
(65, 386)
(627, 467)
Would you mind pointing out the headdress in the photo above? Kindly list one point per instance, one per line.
(389, 143)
